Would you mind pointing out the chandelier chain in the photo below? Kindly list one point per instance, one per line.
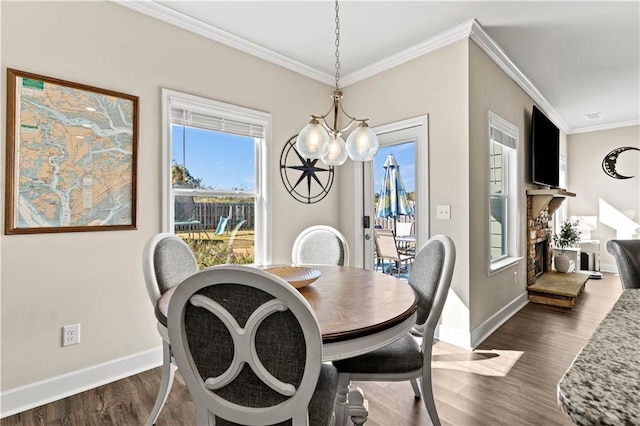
(337, 45)
(321, 139)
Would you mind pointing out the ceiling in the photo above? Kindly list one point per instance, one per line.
(575, 58)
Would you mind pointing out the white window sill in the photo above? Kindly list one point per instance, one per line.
(503, 264)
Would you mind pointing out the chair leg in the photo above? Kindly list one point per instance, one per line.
(168, 372)
(427, 395)
(416, 388)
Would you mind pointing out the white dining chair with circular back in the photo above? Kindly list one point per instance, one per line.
(249, 348)
(166, 261)
(320, 245)
(406, 359)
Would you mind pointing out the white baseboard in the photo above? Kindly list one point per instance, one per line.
(25, 397)
(454, 336)
(470, 340)
(484, 330)
(606, 267)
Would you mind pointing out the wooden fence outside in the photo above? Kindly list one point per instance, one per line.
(209, 214)
(387, 223)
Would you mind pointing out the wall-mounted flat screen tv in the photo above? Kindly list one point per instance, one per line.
(545, 150)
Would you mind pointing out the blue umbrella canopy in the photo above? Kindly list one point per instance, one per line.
(393, 201)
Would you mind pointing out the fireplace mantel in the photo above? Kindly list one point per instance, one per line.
(550, 198)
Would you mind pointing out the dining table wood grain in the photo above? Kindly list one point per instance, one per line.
(353, 302)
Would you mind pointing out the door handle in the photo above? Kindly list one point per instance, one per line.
(367, 237)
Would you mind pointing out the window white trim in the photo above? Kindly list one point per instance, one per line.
(506, 134)
(172, 100)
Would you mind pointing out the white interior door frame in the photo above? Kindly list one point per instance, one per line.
(413, 129)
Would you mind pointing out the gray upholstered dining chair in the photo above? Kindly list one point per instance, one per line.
(320, 245)
(166, 262)
(405, 359)
(249, 349)
(627, 255)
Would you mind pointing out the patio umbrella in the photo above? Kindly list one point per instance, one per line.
(393, 201)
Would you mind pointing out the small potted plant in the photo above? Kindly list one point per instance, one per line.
(568, 236)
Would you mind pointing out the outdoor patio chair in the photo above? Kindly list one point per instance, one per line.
(387, 249)
(185, 216)
(249, 349)
(404, 228)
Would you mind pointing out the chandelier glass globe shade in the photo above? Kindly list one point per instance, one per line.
(312, 140)
(362, 143)
(336, 153)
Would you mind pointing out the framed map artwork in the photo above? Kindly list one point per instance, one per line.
(71, 156)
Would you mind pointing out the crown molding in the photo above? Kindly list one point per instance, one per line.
(600, 127)
(457, 33)
(474, 31)
(180, 20)
(470, 29)
(495, 52)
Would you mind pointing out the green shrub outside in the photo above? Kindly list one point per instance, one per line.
(211, 253)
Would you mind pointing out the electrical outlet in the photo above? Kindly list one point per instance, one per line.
(443, 212)
(70, 334)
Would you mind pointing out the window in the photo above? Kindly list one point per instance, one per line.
(214, 178)
(503, 190)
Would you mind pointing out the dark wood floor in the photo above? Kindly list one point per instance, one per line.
(509, 380)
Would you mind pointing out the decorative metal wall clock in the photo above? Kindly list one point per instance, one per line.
(610, 160)
(305, 179)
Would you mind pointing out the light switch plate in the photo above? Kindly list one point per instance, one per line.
(443, 212)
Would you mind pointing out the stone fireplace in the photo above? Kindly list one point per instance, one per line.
(539, 251)
(540, 257)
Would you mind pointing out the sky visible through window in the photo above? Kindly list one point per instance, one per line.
(221, 160)
(405, 156)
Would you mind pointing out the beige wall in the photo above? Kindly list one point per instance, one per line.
(95, 278)
(593, 187)
(437, 85)
(490, 89)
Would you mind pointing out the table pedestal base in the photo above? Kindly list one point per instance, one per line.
(350, 402)
(358, 406)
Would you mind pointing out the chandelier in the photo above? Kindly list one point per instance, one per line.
(323, 140)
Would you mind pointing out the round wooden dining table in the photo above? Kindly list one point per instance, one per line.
(358, 310)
